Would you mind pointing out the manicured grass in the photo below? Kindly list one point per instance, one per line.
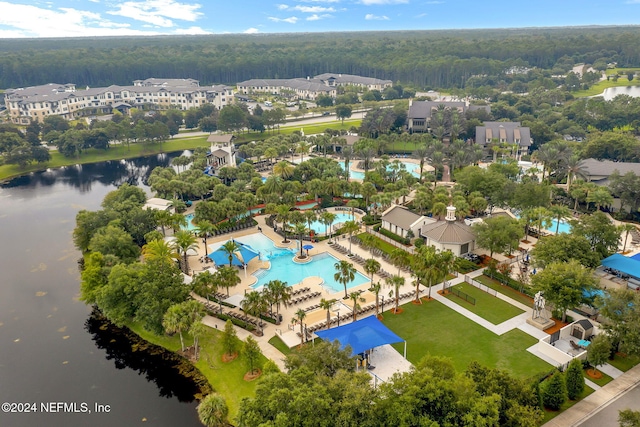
(385, 247)
(113, 153)
(487, 306)
(599, 87)
(505, 290)
(624, 363)
(225, 378)
(548, 415)
(277, 342)
(432, 328)
(292, 127)
(604, 380)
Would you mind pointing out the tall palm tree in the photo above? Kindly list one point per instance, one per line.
(558, 212)
(400, 258)
(254, 303)
(372, 266)
(626, 228)
(159, 250)
(347, 153)
(300, 315)
(350, 227)
(206, 229)
(176, 320)
(302, 148)
(311, 217)
(327, 219)
(283, 169)
(283, 213)
(280, 292)
(196, 330)
(326, 304)
(355, 297)
(229, 249)
(396, 282)
(376, 288)
(213, 411)
(227, 277)
(345, 274)
(185, 241)
(164, 219)
(601, 196)
(574, 168)
(205, 283)
(421, 154)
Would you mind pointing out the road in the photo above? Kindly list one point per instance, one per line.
(608, 415)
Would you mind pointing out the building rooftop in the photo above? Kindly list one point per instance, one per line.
(400, 217)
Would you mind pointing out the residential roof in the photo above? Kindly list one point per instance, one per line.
(220, 138)
(312, 85)
(509, 131)
(448, 232)
(423, 109)
(584, 323)
(352, 79)
(603, 168)
(400, 217)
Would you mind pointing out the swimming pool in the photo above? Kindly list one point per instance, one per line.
(564, 226)
(412, 168)
(190, 225)
(341, 217)
(283, 268)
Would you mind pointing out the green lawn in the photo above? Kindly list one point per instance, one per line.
(277, 342)
(432, 328)
(624, 363)
(225, 378)
(487, 306)
(385, 247)
(599, 87)
(292, 127)
(606, 379)
(505, 290)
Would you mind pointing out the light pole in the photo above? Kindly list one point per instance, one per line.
(382, 311)
(338, 311)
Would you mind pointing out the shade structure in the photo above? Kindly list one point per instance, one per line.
(623, 264)
(242, 256)
(361, 335)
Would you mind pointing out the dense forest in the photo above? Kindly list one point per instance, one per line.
(423, 59)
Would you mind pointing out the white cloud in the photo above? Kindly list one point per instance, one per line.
(422, 15)
(435, 2)
(283, 6)
(251, 31)
(290, 20)
(316, 17)
(33, 21)
(313, 9)
(379, 2)
(191, 31)
(158, 12)
(372, 17)
(319, 1)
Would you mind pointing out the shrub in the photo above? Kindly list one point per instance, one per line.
(574, 379)
(464, 266)
(394, 236)
(554, 393)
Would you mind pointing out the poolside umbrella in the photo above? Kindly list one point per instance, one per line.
(307, 247)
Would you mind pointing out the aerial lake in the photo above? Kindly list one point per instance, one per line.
(612, 92)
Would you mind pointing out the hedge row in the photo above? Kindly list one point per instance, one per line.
(392, 236)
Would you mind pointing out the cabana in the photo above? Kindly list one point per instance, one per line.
(362, 335)
(241, 257)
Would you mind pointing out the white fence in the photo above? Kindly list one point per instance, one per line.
(480, 286)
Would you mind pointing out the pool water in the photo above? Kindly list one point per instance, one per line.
(341, 217)
(564, 227)
(412, 168)
(190, 225)
(283, 268)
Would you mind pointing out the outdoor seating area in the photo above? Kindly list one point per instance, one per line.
(304, 298)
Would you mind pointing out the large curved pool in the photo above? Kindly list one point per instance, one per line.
(412, 168)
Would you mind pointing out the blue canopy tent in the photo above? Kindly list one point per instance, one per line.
(241, 257)
(623, 264)
(362, 335)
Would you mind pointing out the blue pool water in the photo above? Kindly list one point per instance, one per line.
(190, 225)
(564, 227)
(412, 168)
(319, 228)
(283, 268)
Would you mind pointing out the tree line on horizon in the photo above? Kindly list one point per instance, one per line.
(424, 59)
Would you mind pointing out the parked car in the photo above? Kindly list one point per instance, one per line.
(326, 113)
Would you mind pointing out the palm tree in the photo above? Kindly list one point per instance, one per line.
(371, 266)
(227, 277)
(283, 213)
(302, 148)
(345, 274)
(601, 197)
(164, 219)
(159, 250)
(175, 320)
(327, 219)
(206, 229)
(178, 221)
(230, 248)
(350, 227)
(355, 297)
(280, 292)
(626, 229)
(347, 153)
(421, 154)
(326, 305)
(574, 168)
(300, 230)
(444, 266)
(300, 315)
(311, 217)
(184, 242)
(376, 288)
(196, 330)
(213, 411)
(254, 303)
(400, 258)
(205, 283)
(396, 282)
(558, 212)
(283, 169)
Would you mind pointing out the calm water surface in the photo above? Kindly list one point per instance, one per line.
(51, 349)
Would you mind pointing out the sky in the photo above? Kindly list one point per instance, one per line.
(82, 18)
